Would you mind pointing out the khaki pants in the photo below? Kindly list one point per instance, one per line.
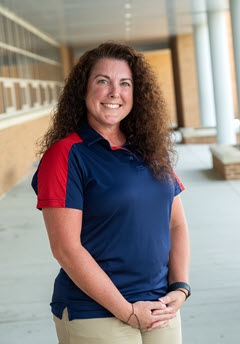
(113, 331)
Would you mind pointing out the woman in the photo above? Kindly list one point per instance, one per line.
(106, 177)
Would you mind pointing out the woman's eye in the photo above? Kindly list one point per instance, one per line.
(125, 83)
(102, 81)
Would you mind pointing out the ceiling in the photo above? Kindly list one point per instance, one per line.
(145, 24)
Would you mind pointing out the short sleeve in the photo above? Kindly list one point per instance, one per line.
(58, 179)
(179, 187)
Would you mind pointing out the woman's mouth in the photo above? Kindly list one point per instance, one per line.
(111, 106)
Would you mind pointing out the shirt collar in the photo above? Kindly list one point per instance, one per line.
(88, 134)
(91, 136)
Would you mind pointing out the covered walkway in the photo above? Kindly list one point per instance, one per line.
(210, 316)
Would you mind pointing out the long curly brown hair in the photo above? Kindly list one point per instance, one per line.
(147, 127)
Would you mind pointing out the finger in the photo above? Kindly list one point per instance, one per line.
(168, 310)
(165, 299)
(169, 301)
(159, 324)
(162, 317)
(158, 305)
(171, 297)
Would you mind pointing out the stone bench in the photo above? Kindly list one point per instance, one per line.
(226, 161)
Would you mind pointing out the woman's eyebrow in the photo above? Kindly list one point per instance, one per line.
(103, 75)
(129, 79)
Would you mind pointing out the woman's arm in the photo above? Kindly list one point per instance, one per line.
(64, 229)
(179, 259)
(180, 248)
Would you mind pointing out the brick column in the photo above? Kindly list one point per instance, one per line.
(185, 81)
(67, 59)
(2, 105)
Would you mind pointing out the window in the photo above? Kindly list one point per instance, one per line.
(30, 68)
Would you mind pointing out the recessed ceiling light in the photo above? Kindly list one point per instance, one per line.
(128, 15)
(127, 6)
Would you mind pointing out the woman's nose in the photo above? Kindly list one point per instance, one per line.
(114, 91)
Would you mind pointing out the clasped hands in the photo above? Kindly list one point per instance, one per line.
(157, 314)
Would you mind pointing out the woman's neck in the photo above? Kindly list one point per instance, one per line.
(112, 134)
(116, 139)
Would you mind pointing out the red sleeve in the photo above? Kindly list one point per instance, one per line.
(53, 173)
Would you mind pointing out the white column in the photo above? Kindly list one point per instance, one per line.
(219, 48)
(235, 20)
(204, 70)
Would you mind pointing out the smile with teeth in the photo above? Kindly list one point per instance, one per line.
(111, 106)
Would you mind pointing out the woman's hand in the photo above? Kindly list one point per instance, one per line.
(148, 313)
(172, 301)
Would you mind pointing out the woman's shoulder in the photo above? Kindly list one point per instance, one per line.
(64, 145)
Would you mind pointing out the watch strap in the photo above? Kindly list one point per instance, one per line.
(179, 285)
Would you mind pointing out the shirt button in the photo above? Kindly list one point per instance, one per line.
(131, 157)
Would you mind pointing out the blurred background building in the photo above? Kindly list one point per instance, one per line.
(193, 45)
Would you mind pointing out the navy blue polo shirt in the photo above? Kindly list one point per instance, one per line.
(126, 215)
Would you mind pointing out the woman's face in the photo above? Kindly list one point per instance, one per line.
(109, 96)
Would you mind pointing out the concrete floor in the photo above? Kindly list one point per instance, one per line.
(210, 316)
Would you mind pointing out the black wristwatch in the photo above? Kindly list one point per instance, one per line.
(179, 285)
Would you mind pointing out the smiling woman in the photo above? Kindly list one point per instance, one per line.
(111, 205)
(109, 98)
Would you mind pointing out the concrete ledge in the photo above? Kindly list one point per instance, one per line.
(199, 135)
(226, 161)
(17, 119)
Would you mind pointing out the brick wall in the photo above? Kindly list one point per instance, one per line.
(18, 150)
(161, 61)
